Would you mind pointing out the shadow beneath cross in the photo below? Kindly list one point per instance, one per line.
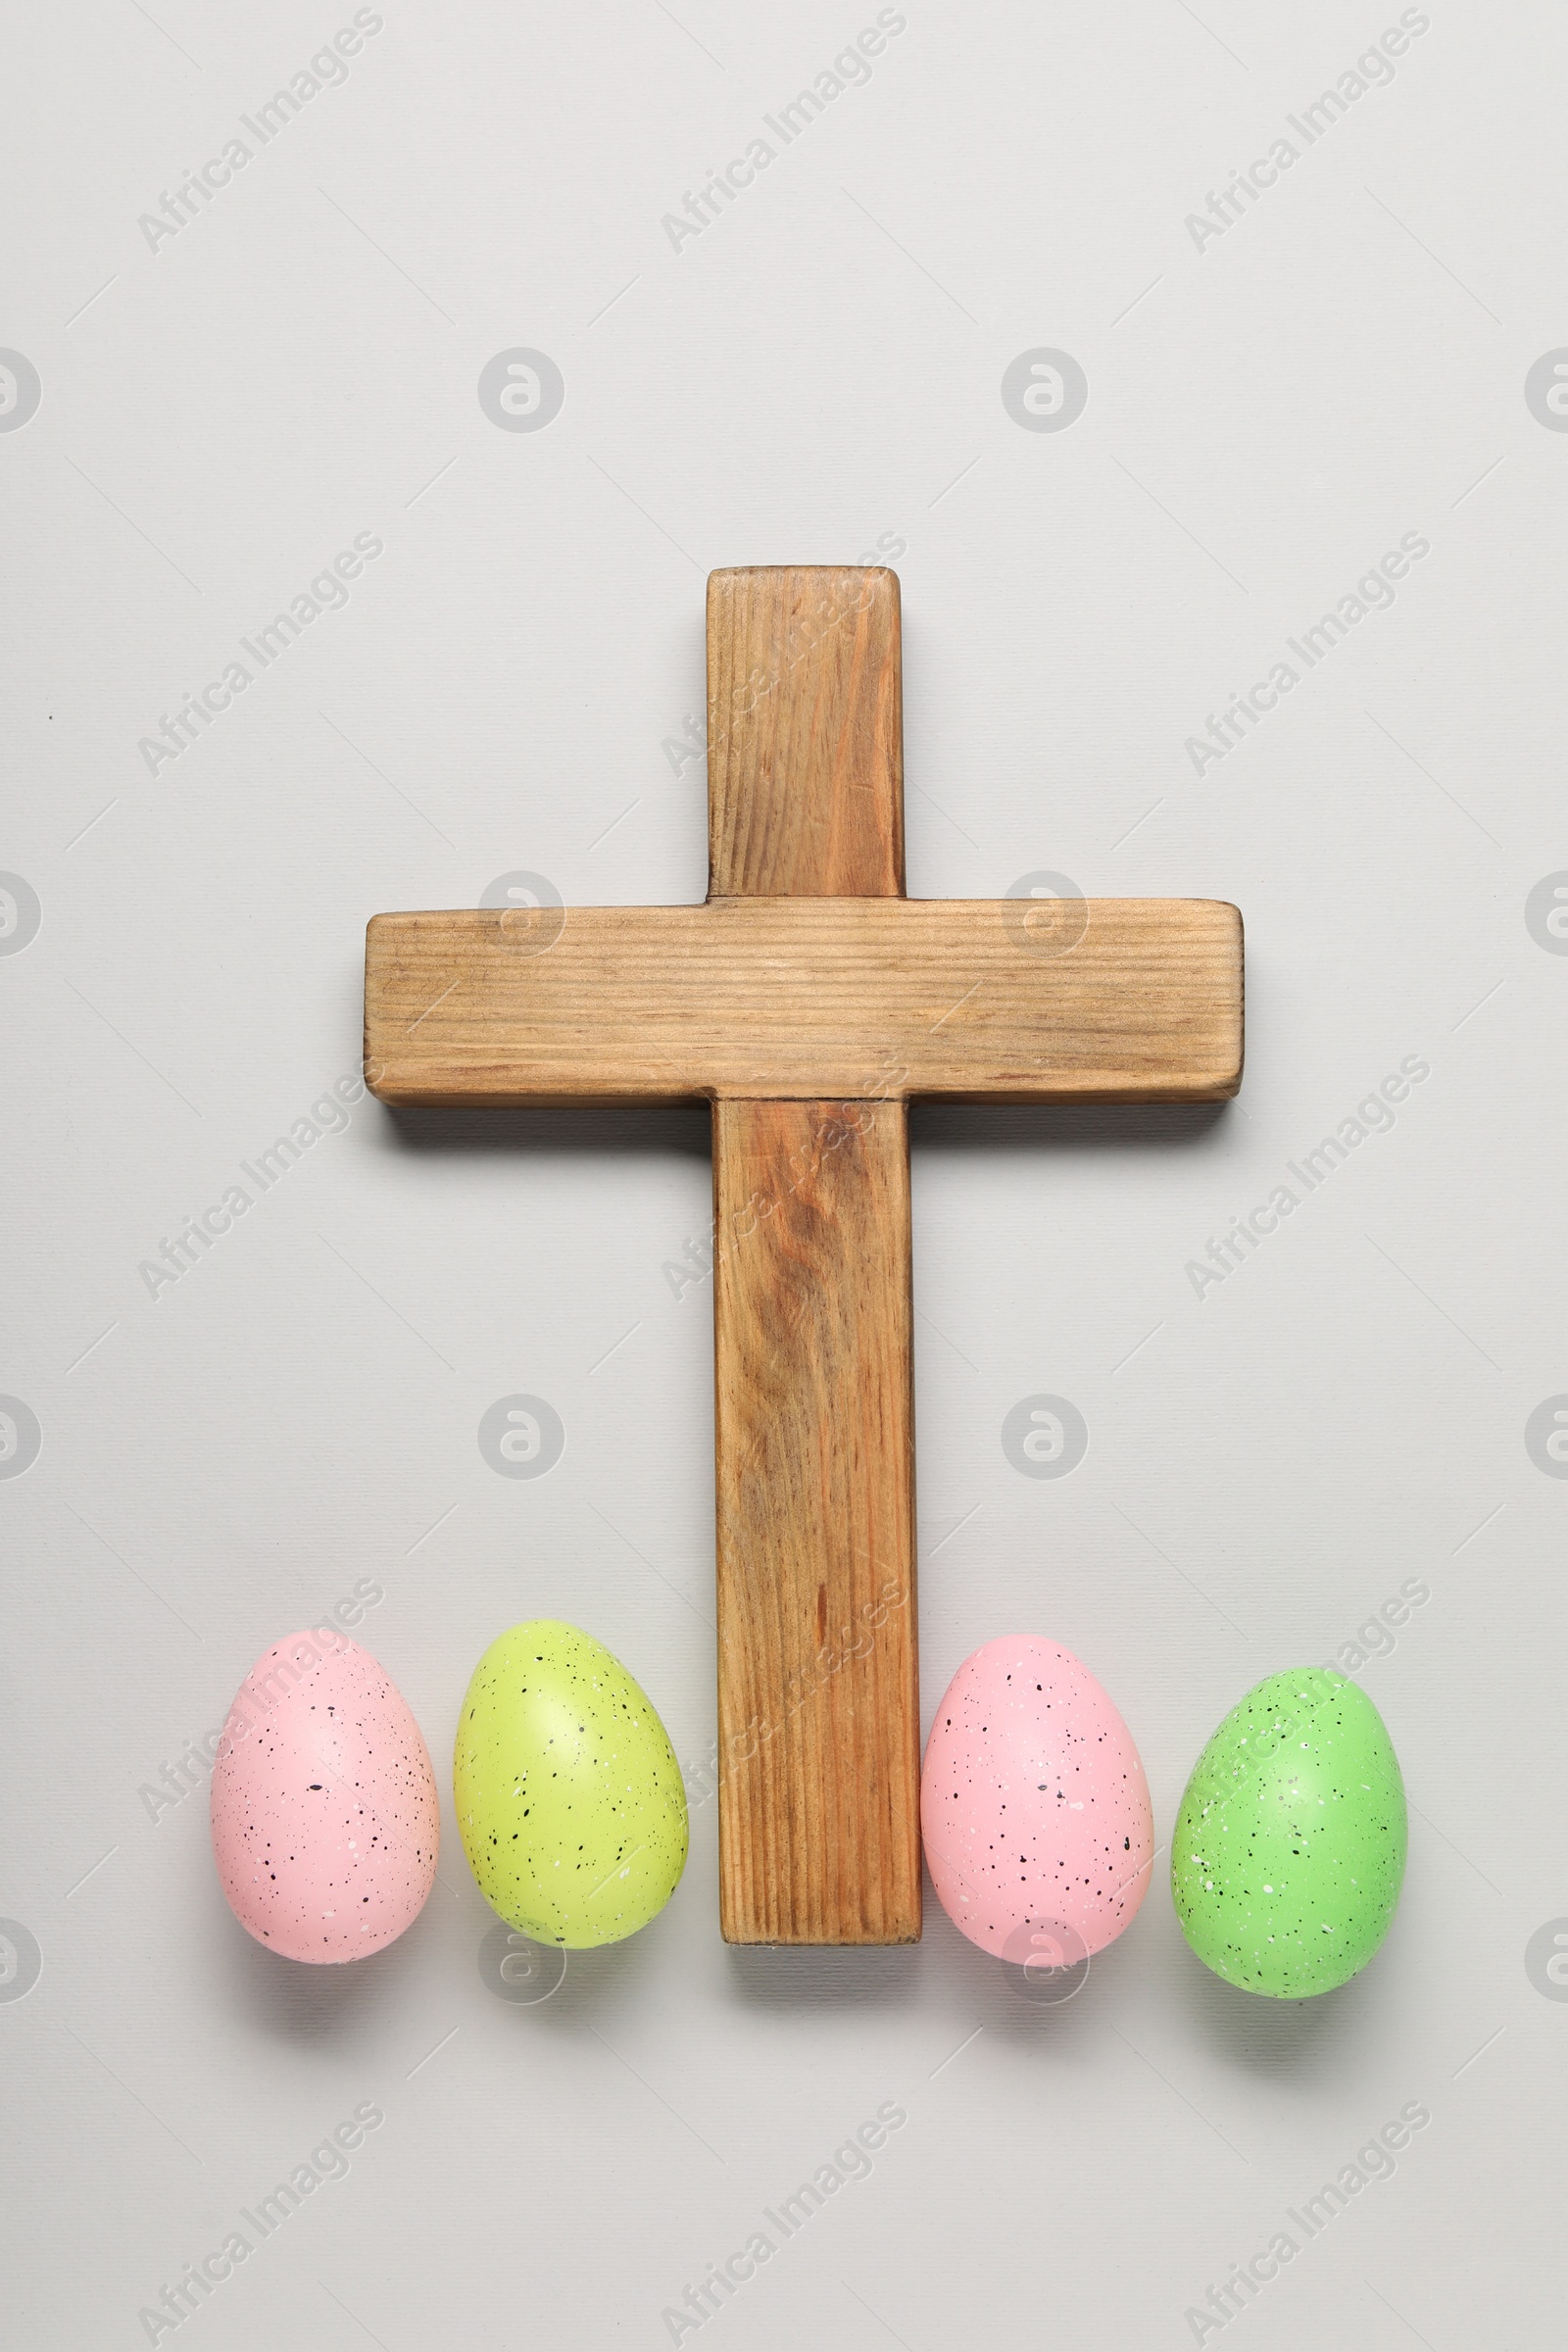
(1065, 1126)
(808, 1976)
(961, 1987)
(682, 1129)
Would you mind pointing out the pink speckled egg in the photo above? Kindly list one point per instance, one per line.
(326, 1821)
(1038, 1832)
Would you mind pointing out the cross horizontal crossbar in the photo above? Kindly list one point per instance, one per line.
(1003, 1001)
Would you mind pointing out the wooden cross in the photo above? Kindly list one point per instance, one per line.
(809, 1001)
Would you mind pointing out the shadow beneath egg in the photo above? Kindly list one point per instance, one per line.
(1065, 2007)
(301, 2002)
(966, 1990)
(1275, 2040)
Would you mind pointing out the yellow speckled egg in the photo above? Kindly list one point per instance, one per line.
(569, 1800)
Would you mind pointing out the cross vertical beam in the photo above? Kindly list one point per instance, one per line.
(818, 1684)
(809, 1001)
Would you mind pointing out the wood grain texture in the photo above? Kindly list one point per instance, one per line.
(818, 1674)
(810, 998)
(819, 1685)
(805, 734)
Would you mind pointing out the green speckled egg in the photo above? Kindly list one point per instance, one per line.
(1289, 1850)
(569, 1800)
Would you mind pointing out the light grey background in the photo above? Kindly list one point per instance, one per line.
(1268, 413)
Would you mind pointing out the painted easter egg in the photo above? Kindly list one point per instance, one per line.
(1038, 1828)
(570, 1803)
(1289, 1850)
(325, 1819)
